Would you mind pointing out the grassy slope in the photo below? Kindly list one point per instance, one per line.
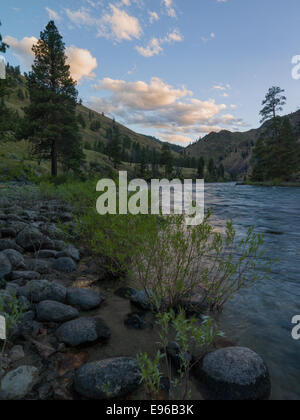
(15, 155)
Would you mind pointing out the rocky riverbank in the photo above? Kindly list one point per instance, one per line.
(79, 331)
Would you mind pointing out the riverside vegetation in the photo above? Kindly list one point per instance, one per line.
(51, 319)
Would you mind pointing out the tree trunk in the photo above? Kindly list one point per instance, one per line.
(277, 139)
(54, 159)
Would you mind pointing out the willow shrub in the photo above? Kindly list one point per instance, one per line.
(162, 253)
(168, 257)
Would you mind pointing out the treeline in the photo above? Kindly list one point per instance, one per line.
(9, 119)
(276, 155)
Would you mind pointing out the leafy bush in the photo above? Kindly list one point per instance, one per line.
(189, 335)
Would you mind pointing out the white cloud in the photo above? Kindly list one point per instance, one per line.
(52, 14)
(81, 61)
(153, 17)
(22, 49)
(119, 25)
(170, 8)
(141, 95)
(81, 17)
(155, 46)
(176, 115)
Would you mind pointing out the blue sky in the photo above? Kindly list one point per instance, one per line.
(176, 69)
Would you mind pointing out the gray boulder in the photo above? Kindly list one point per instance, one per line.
(25, 275)
(9, 244)
(5, 266)
(51, 311)
(234, 373)
(31, 239)
(107, 379)
(8, 232)
(64, 265)
(83, 332)
(40, 290)
(71, 252)
(47, 253)
(17, 383)
(84, 299)
(16, 258)
(138, 297)
(41, 266)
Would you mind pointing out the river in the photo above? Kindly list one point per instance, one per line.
(260, 317)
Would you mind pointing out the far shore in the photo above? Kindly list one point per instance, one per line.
(270, 184)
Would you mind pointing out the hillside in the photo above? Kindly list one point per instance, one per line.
(233, 149)
(95, 129)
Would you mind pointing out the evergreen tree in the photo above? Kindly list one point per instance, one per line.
(212, 170)
(3, 46)
(201, 167)
(289, 150)
(6, 116)
(167, 159)
(115, 147)
(50, 119)
(143, 164)
(221, 172)
(273, 103)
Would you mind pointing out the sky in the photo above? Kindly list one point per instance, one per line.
(174, 69)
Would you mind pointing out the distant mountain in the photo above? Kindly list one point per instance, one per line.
(233, 149)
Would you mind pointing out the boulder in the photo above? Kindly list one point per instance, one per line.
(64, 265)
(136, 321)
(234, 373)
(138, 297)
(69, 251)
(8, 232)
(84, 299)
(52, 311)
(16, 259)
(17, 383)
(38, 291)
(107, 379)
(25, 275)
(31, 239)
(46, 253)
(16, 354)
(9, 244)
(41, 266)
(83, 332)
(5, 266)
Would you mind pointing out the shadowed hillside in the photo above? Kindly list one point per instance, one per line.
(233, 149)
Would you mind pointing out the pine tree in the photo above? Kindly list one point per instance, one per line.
(201, 167)
(167, 159)
(3, 46)
(115, 147)
(212, 170)
(50, 119)
(289, 150)
(273, 103)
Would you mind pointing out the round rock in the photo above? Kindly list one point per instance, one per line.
(64, 265)
(16, 258)
(19, 382)
(83, 332)
(40, 290)
(5, 266)
(84, 299)
(233, 374)
(51, 311)
(107, 379)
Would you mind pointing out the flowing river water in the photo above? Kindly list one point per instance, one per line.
(260, 317)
